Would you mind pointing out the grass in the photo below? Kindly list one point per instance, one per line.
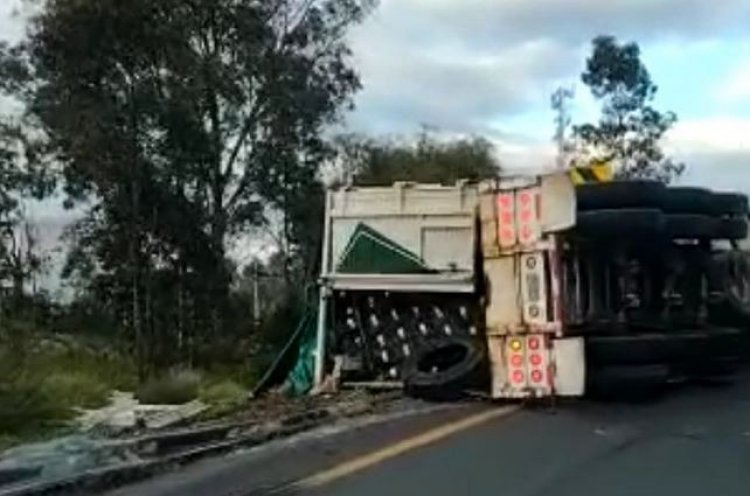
(174, 388)
(224, 396)
(44, 385)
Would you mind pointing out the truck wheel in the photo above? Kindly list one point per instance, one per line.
(640, 349)
(729, 204)
(729, 276)
(627, 382)
(692, 226)
(725, 342)
(732, 228)
(685, 200)
(621, 222)
(620, 194)
(719, 356)
(442, 370)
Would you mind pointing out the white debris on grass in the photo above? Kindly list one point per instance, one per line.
(124, 412)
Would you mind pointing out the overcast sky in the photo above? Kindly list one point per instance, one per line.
(489, 66)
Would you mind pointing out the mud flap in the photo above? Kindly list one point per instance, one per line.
(570, 367)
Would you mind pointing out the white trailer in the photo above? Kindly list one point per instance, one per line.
(491, 246)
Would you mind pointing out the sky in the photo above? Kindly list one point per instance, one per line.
(488, 67)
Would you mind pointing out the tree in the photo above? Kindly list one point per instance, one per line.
(629, 129)
(22, 176)
(380, 162)
(185, 123)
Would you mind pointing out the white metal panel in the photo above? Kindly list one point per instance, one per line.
(434, 222)
(404, 199)
(447, 247)
(558, 205)
(533, 288)
(442, 282)
(503, 310)
(570, 366)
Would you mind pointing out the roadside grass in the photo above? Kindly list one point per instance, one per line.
(173, 388)
(44, 384)
(223, 397)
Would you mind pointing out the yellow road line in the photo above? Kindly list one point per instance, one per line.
(357, 464)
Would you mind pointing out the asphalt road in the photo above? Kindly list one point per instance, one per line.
(694, 441)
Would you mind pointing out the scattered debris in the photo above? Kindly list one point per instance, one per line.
(99, 463)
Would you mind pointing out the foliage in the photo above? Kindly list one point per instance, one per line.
(45, 380)
(183, 124)
(173, 388)
(629, 129)
(76, 388)
(223, 396)
(424, 159)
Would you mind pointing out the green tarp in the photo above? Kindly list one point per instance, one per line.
(294, 366)
(369, 252)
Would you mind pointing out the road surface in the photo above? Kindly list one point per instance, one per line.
(694, 441)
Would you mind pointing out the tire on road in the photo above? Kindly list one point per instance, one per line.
(720, 356)
(443, 369)
(638, 349)
(620, 194)
(628, 382)
(729, 278)
(621, 222)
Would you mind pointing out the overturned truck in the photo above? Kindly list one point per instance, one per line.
(528, 286)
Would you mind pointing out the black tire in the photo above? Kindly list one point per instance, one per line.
(617, 223)
(628, 382)
(732, 228)
(640, 349)
(719, 356)
(692, 226)
(443, 369)
(730, 204)
(729, 277)
(620, 194)
(724, 342)
(685, 200)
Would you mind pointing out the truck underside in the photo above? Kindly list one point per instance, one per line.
(533, 288)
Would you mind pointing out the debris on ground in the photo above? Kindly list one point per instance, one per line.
(117, 447)
(124, 414)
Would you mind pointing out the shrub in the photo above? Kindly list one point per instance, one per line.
(75, 388)
(175, 388)
(226, 393)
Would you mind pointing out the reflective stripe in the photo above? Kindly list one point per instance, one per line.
(596, 173)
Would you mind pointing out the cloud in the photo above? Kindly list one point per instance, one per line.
(12, 23)
(735, 87)
(406, 85)
(497, 23)
(718, 134)
(467, 65)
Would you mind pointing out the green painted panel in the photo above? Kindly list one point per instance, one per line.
(369, 252)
